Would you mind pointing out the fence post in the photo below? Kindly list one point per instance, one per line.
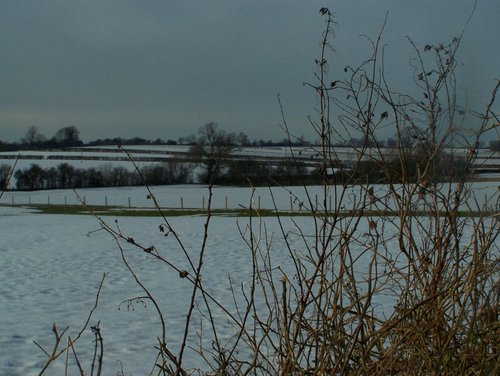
(129, 204)
(203, 202)
(225, 204)
(258, 203)
(106, 201)
(48, 200)
(182, 202)
(291, 203)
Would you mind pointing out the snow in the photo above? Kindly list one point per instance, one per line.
(96, 157)
(482, 195)
(50, 274)
(51, 266)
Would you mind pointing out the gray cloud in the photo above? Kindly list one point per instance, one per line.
(163, 68)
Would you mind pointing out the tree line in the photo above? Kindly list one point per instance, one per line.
(70, 137)
(209, 161)
(66, 176)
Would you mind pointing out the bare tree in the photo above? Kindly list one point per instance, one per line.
(33, 136)
(212, 149)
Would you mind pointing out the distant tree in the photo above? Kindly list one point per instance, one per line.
(136, 141)
(158, 141)
(240, 172)
(33, 136)
(212, 149)
(106, 172)
(66, 174)
(170, 172)
(242, 139)
(122, 177)
(94, 178)
(262, 142)
(4, 176)
(21, 180)
(494, 145)
(189, 140)
(51, 177)
(30, 179)
(301, 141)
(87, 178)
(284, 142)
(153, 174)
(178, 172)
(68, 136)
(363, 142)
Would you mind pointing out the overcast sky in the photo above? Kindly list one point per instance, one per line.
(163, 68)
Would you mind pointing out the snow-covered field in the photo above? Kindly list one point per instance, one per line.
(142, 154)
(51, 268)
(484, 195)
(50, 274)
(145, 154)
(51, 265)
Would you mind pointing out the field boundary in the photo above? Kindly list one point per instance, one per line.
(119, 211)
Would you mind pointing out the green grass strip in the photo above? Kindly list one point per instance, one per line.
(168, 212)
